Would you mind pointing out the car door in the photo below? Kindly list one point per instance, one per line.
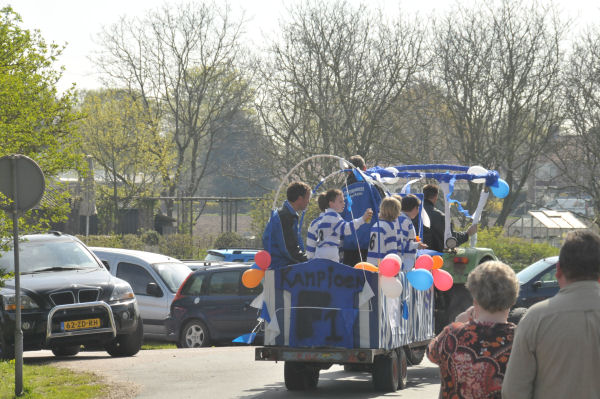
(153, 308)
(543, 286)
(226, 307)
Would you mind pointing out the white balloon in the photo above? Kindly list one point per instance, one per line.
(394, 256)
(391, 286)
(477, 170)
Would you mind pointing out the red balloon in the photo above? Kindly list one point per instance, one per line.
(424, 262)
(442, 280)
(262, 259)
(389, 267)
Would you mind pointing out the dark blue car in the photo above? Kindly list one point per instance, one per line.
(212, 306)
(538, 282)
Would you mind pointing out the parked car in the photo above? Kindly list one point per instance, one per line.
(212, 306)
(155, 279)
(68, 299)
(538, 282)
(231, 255)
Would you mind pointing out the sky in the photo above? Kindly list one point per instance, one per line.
(76, 23)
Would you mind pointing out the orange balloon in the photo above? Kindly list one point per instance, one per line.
(366, 266)
(418, 239)
(252, 277)
(438, 262)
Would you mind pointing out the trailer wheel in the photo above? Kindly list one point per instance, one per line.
(386, 372)
(402, 368)
(300, 377)
(414, 355)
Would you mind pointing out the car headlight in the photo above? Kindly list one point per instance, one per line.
(121, 292)
(10, 302)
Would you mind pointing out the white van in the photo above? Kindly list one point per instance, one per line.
(155, 279)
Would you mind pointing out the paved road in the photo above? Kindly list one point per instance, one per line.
(227, 372)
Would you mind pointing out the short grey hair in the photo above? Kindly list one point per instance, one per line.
(494, 285)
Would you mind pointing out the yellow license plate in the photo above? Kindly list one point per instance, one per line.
(80, 324)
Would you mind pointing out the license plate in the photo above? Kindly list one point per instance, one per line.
(80, 324)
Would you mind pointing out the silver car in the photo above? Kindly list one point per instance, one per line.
(155, 279)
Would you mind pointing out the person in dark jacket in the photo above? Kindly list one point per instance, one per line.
(433, 236)
(298, 196)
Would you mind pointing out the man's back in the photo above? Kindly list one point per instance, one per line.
(557, 348)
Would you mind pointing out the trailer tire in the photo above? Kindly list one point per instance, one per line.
(402, 368)
(414, 355)
(386, 372)
(300, 377)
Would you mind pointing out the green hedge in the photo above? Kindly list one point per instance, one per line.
(515, 252)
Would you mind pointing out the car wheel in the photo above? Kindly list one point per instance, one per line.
(7, 351)
(70, 350)
(414, 356)
(127, 344)
(516, 314)
(194, 335)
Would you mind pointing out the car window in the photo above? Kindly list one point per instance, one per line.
(251, 291)
(136, 276)
(36, 255)
(214, 257)
(533, 270)
(172, 273)
(194, 285)
(225, 283)
(549, 276)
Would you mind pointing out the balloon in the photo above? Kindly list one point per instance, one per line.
(424, 262)
(442, 279)
(394, 256)
(501, 189)
(421, 279)
(389, 267)
(477, 170)
(391, 286)
(366, 266)
(252, 277)
(262, 259)
(438, 262)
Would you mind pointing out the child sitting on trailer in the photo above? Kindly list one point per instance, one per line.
(311, 235)
(407, 236)
(332, 226)
(383, 239)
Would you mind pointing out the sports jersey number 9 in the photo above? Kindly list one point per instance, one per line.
(372, 241)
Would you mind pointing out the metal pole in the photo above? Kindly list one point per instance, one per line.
(191, 218)
(18, 330)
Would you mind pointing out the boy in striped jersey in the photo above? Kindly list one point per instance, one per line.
(311, 236)
(407, 236)
(332, 226)
(384, 234)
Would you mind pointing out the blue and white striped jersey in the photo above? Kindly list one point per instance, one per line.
(382, 241)
(330, 230)
(407, 242)
(311, 236)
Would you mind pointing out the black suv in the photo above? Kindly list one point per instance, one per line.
(212, 305)
(68, 299)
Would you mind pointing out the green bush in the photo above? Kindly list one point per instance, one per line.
(229, 240)
(180, 246)
(515, 252)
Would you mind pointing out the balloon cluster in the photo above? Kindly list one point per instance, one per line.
(388, 269)
(253, 276)
(500, 188)
(428, 271)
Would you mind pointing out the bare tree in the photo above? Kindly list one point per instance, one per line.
(577, 155)
(331, 78)
(184, 64)
(499, 67)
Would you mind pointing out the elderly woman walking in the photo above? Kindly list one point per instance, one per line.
(472, 352)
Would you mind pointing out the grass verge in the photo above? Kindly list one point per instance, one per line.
(47, 382)
(149, 345)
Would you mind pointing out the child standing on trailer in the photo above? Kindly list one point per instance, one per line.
(311, 236)
(383, 239)
(332, 226)
(407, 236)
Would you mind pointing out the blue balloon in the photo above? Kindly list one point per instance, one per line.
(500, 189)
(255, 266)
(421, 279)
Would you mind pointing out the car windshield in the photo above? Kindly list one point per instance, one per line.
(214, 257)
(37, 256)
(533, 270)
(172, 273)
